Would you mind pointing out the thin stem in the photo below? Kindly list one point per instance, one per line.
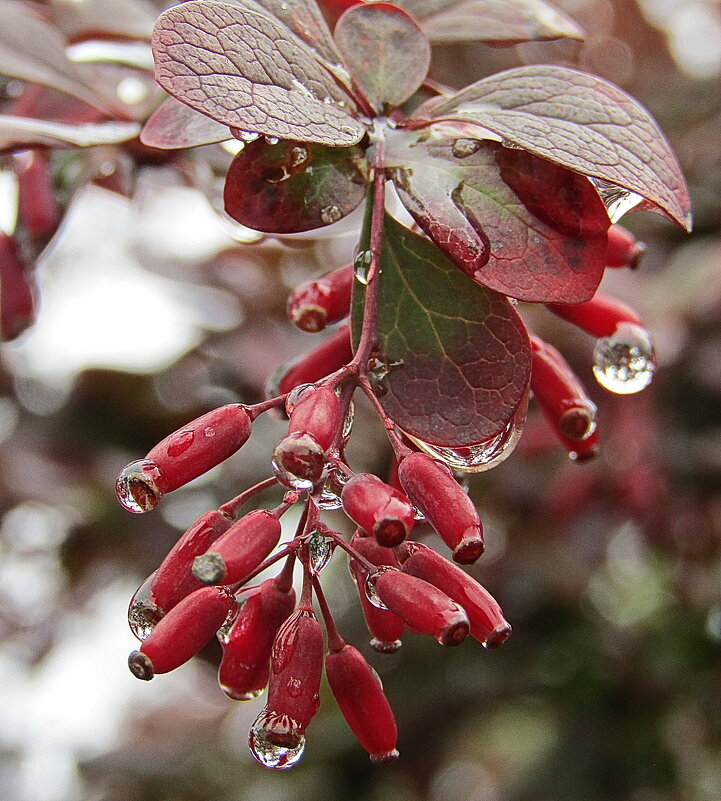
(367, 565)
(399, 449)
(290, 548)
(231, 507)
(335, 641)
(258, 408)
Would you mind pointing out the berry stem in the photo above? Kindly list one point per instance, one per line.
(399, 449)
(366, 564)
(232, 507)
(335, 641)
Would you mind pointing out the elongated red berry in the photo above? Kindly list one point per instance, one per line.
(360, 697)
(17, 291)
(182, 632)
(238, 551)
(316, 412)
(182, 456)
(380, 510)
(599, 316)
(422, 606)
(624, 250)
(37, 205)
(385, 627)
(326, 300)
(560, 394)
(432, 489)
(174, 579)
(245, 666)
(485, 616)
(324, 359)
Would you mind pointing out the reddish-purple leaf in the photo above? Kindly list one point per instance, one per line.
(290, 187)
(579, 121)
(247, 70)
(31, 49)
(498, 21)
(385, 51)
(21, 132)
(515, 223)
(126, 19)
(174, 125)
(456, 355)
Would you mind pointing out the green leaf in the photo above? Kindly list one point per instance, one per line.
(386, 52)
(578, 121)
(457, 354)
(515, 223)
(291, 187)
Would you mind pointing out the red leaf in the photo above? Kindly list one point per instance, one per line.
(578, 121)
(174, 125)
(248, 71)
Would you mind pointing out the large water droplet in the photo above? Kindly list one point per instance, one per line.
(142, 614)
(246, 136)
(330, 214)
(480, 456)
(180, 441)
(137, 486)
(329, 496)
(320, 551)
(275, 741)
(294, 396)
(462, 148)
(617, 200)
(299, 462)
(370, 586)
(624, 363)
(362, 265)
(223, 632)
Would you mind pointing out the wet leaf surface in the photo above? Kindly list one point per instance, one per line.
(245, 69)
(500, 21)
(290, 187)
(174, 125)
(515, 223)
(457, 355)
(579, 121)
(385, 50)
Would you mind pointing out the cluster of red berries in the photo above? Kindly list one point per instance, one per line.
(202, 588)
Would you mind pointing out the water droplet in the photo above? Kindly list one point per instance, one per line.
(271, 140)
(137, 486)
(179, 442)
(348, 424)
(209, 432)
(275, 741)
(294, 396)
(624, 363)
(480, 456)
(329, 496)
(362, 265)
(246, 136)
(299, 462)
(224, 631)
(142, 614)
(385, 646)
(330, 214)
(298, 155)
(462, 148)
(617, 200)
(370, 586)
(320, 551)
(294, 687)
(378, 370)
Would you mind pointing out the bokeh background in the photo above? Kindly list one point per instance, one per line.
(154, 309)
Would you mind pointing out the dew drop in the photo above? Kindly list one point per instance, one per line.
(330, 214)
(180, 442)
(299, 462)
(294, 687)
(246, 136)
(480, 456)
(298, 155)
(348, 424)
(362, 265)
(143, 615)
(617, 200)
(271, 140)
(370, 586)
(294, 396)
(378, 370)
(320, 551)
(209, 432)
(328, 498)
(275, 741)
(385, 646)
(624, 363)
(462, 148)
(223, 632)
(137, 486)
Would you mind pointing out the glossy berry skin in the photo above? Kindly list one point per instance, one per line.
(316, 413)
(296, 668)
(245, 666)
(182, 632)
(432, 489)
(485, 616)
(174, 579)
(422, 607)
(240, 549)
(200, 445)
(380, 510)
(323, 360)
(385, 627)
(599, 317)
(360, 697)
(560, 394)
(315, 304)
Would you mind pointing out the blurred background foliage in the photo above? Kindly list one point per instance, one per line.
(154, 310)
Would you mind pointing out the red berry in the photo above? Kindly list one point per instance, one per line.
(316, 412)
(182, 632)
(624, 250)
(599, 316)
(432, 489)
(487, 623)
(315, 304)
(380, 510)
(360, 697)
(323, 360)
